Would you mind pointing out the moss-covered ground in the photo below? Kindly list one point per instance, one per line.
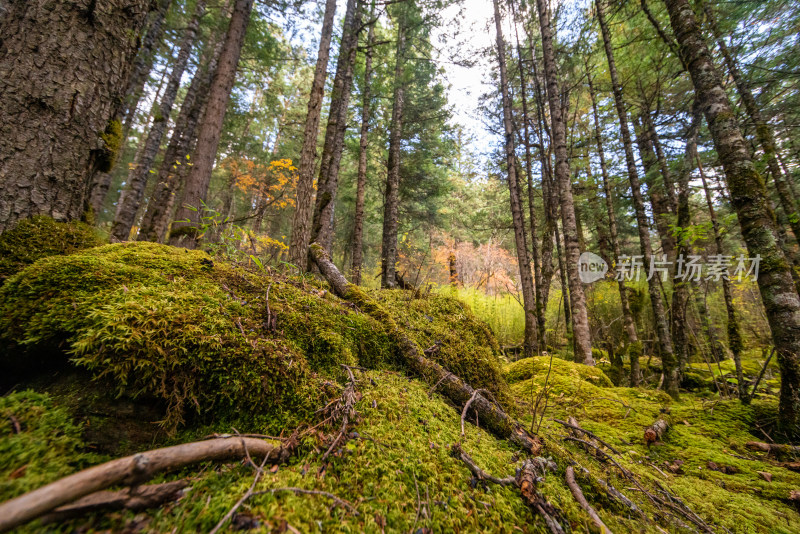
(190, 345)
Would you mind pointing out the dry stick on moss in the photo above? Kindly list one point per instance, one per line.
(467, 405)
(527, 478)
(241, 501)
(457, 452)
(136, 499)
(774, 449)
(455, 389)
(130, 470)
(539, 398)
(588, 433)
(654, 432)
(344, 410)
(430, 392)
(578, 494)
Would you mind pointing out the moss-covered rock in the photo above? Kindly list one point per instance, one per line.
(39, 237)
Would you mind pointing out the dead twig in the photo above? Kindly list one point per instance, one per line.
(337, 500)
(457, 452)
(578, 494)
(587, 433)
(241, 501)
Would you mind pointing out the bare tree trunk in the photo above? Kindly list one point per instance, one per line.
(177, 156)
(391, 205)
(518, 216)
(363, 143)
(60, 100)
(133, 193)
(301, 222)
(747, 194)
(185, 230)
(580, 317)
(734, 335)
(634, 346)
(680, 293)
(142, 66)
(328, 182)
(671, 371)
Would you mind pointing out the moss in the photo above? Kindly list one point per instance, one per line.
(39, 237)
(112, 144)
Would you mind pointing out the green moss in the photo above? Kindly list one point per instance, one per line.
(39, 237)
(112, 144)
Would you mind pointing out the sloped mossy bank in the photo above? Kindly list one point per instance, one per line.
(206, 337)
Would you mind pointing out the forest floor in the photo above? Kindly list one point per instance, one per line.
(130, 347)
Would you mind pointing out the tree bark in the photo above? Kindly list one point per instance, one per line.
(671, 371)
(518, 217)
(634, 346)
(391, 205)
(580, 317)
(185, 230)
(363, 144)
(133, 193)
(301, 221)
(64, 69)
(328, 181)
(746, 187)
(142, 66)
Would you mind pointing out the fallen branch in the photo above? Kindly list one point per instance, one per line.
(578, 494)
(459, 392)
(136, 499)
(468, 404)
(774, 449)
(574, 426)
(654, 432)
(760, 376)
(131, 470)
(241, 501)
(527, 478)
(343, 410)
(457, 452)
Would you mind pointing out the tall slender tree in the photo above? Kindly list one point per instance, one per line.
(670, 365)
(133, 193)
(301, 223)
(185, 229)
(580, 318)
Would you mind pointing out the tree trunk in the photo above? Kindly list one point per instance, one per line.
(63, 73)
(747, 195)
(363, 143)
(634, 346)
(734, 335)
(177, 156)
(301, 222)
(392, 200)
(185, 230)
(142, 66)
(518, 217)
(671, 378)
(328, 182)
(680, 293)
(580, 317)
(132, 195)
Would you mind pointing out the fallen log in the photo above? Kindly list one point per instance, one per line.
(578, 494)
(527, 479)
(131, 470)
(135, 499)
(654, 432)
(774, 449)
(451, 386)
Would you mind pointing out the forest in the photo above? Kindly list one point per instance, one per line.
(400, 266)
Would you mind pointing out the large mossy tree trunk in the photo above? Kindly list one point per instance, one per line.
(133, 193)
(670, 365)
(517, 214)
(746, 188)
(64, 69)
(634, 346)
(301, 222)
(185, 229)
(328, 182)
(580, 318)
